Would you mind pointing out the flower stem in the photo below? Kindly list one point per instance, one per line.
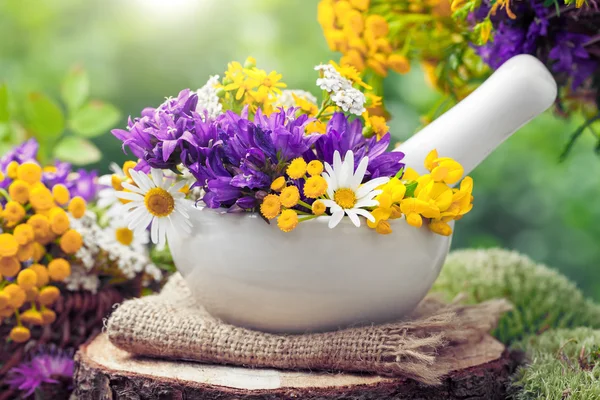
(5, 194)
(307, 218)
(324, 106)
(305, 205)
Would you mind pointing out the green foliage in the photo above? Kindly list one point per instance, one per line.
(75, 88)
(62, 132)
(564, 365)
(542, 298)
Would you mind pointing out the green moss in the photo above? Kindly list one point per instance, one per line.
(564, 365)
(543, 298)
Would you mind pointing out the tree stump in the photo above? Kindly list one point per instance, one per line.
(103, 371)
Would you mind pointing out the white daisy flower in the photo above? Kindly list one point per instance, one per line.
(118, 233)
(107, 197)
(347, 196)
(155, 202)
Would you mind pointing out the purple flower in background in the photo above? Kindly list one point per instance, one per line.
(56, 175)
(564, 40)
(26, 151)
(509, 41)
(48, 366)
(572, 58)
(343, 135)
(84, 184)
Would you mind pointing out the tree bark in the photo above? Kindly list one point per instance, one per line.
(105, 372)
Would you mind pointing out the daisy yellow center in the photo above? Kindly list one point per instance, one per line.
(124, 236)
(345, 198)
(159, 202)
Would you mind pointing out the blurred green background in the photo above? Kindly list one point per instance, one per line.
(136, 52)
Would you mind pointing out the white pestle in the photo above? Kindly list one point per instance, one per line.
(516, 93)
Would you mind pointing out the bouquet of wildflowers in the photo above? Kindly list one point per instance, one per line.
(62, 257)
(242, 144)
(564, 35)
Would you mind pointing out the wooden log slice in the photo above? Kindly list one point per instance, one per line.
(103, 371)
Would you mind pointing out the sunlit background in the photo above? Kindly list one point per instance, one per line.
(139, 51)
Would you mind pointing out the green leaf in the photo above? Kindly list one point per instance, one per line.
(4, 130)
(77, 151)
(45, 119)
(75, 88)
(4, 114)
(94, 119)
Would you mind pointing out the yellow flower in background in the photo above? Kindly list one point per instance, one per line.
(77, 207)
(376, 125)
(316, 127)
(61, 194)
(59, 269)
(271, 81)
(71, 241)
(350, 73)
(19, 191)
(8, 245)
(307, 106)
(29, 172)
(399, 63)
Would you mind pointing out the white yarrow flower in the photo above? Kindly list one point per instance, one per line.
(350, 100)
(208, 99)
(156, 203)
(343, 94)
(347, 195)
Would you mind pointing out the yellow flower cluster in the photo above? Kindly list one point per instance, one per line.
(247, 85)
(36, 244)
(364, 38)
(280, 204)
(376, 36)
(428, 196)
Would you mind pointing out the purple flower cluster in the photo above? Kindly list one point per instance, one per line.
(567, 41)
(80, 183)
(234, 158)
(47, 366)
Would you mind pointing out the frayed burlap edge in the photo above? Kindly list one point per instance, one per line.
(172, 325)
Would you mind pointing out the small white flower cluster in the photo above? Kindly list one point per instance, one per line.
(97, 240)
(81, 279)
(208, 100)
(345, 96)
(286, 98)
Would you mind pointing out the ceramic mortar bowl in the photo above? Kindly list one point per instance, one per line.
(250, 274)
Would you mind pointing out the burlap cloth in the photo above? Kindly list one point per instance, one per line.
(172, 325)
